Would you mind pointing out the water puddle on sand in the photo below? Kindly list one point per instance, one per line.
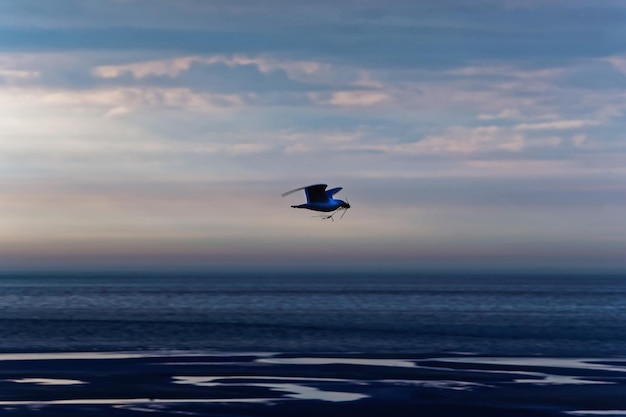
(299, 391)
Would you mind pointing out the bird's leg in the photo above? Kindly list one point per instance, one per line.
(331, 216)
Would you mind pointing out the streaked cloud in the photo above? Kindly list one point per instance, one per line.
(556, 125)
(353, 98)
(504, 114)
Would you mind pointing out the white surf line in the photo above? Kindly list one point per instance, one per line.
(202, 363)
(128, 401)
(443, 384)
(542, 378)
(123, 355)
(621, 413)
(207, 381)
(570, 363)
(339, 361)
(548, 379)
(47, 381)
(79, 355)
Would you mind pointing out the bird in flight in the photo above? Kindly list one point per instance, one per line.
(320, 199)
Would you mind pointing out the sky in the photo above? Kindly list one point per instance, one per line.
(160, 134)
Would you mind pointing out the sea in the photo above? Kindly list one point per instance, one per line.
(495, 314)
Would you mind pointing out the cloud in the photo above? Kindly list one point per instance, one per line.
(219, 77)
(248, 148)
(174, 66)
(504, 114)
(618, 61)
(9, 76)
(353, 98)
(557, 125)
(370, 34)
(253, 80)
(580, 140)
(468, 140)
(122, 100)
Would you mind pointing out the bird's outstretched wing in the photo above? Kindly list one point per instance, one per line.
(330, 193)
(292, 191)
(314, 193)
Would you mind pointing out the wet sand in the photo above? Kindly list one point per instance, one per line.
(274, 384)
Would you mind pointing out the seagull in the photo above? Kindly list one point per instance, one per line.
(320, 199)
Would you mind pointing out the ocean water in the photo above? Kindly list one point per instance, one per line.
(496, 314)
